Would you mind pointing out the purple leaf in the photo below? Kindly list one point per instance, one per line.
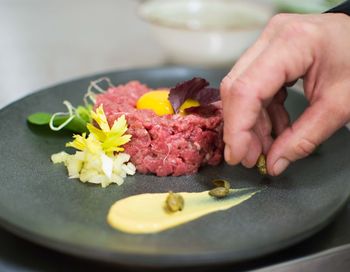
(195, 89)
(207, 96)
(205, 111)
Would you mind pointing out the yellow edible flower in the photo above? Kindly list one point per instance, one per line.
(90, 143)
(106, 139)
(113, 138)
(99, 160)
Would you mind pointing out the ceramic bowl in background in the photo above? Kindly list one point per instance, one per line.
(302, 6)
(205, 32)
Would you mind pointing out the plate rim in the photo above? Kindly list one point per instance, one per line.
(143, 260)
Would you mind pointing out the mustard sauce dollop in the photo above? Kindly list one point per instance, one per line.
(145, 213)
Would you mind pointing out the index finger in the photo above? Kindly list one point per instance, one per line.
(244, 96)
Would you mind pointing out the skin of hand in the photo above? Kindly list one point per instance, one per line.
(315, 48)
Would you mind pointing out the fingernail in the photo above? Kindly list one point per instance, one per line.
(280, 165)
(227, 153)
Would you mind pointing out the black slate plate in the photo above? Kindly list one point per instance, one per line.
(39, 202)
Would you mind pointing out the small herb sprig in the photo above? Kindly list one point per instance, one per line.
(76, 118)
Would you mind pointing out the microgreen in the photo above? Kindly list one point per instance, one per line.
(75, 119)
(39, 118)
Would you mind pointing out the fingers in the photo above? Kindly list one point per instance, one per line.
(243, 98)
(287, 50)
(240, 114)
(255, 150)
(259, 46)
(314, 126)
(261, 140)
(263, 131)
(263, 127)
(277, 112)
(248, 57)
(251, 146)
(256, 141)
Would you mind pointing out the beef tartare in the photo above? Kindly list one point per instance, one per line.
(171, 144)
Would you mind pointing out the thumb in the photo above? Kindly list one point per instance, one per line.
(318, 122)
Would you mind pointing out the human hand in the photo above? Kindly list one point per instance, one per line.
(315, 48)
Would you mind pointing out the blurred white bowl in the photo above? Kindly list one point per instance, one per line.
(205, 32)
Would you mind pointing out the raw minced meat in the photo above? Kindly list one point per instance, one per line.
(165, 145)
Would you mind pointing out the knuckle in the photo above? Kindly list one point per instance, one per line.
(278, 19)
(240, 87)
(290, 31)
(300, 29)
(304, 148)
(339, 109)
(236, 88)
(225, 85)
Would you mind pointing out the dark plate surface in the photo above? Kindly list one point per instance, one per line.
(39, 202)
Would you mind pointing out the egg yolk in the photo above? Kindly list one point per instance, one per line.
(189, 103)
(158, 102)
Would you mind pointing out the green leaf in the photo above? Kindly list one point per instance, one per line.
(39, 118)
(84, 113)
(76, 125)
(42, 118)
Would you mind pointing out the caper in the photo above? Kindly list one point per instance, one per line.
(261, 165)
(174, 202)
(261, 160)
(219, 192)
(221, 183)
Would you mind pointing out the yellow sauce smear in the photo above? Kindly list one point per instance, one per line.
(145, 213)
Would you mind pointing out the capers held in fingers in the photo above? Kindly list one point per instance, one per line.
(261, 165)
(174, 202)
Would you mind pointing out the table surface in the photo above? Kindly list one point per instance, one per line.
(46, 42)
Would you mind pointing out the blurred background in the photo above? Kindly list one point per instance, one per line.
(46, 42)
